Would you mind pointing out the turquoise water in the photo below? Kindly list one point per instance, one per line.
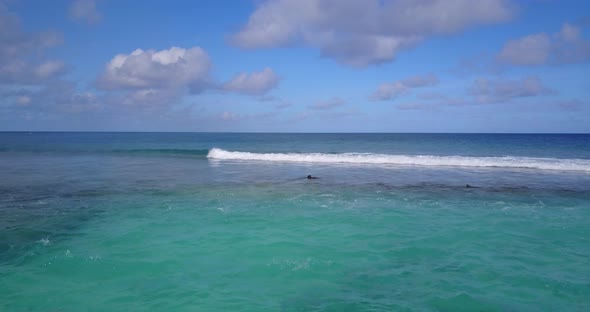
(154, 221)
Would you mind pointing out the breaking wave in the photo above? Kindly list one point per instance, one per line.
(410, 160)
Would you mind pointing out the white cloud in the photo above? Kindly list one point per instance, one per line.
(420, 81)
(149, 99)
(486, 91)
(388, 91)
(61, 97)
(256, 83)
(84, 10)
(363, 32)
(175, 67)
(564, 47)
(529, 50)
(21, 53)
(154, 81)
(504, 90)
(392, 90)
(360, 51)
(55, 98)
(328, 104)
(49, 69)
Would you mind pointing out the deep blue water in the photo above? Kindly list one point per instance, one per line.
(533, 145)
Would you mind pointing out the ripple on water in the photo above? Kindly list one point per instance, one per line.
(281, 249)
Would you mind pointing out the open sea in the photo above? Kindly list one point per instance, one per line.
(228, 222)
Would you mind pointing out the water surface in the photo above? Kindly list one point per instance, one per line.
(147, 221)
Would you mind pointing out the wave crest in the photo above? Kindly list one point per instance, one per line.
(410, 160)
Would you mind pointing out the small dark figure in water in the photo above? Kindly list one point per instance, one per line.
(468, 186)
(309, 177)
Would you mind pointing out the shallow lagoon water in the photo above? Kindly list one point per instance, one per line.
(139, 222)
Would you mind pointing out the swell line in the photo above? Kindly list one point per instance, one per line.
(138, 152)
(411, 160)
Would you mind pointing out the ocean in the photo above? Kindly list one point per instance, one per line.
(228, 222)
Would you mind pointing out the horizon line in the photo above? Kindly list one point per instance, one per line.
(278, 132)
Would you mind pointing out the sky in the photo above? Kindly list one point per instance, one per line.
(295, 65)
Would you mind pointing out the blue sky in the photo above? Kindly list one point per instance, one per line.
(295, 65)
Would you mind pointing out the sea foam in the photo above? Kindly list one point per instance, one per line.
(410, 160)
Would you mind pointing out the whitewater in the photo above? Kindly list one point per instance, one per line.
(581, 165)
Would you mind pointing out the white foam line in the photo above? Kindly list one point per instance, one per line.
(413, 160)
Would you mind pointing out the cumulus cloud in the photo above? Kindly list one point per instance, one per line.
(55, 97)
(328, 104)
(256, 83)
(530, 50)
(487, 91)
(50, 69)
(360, 51)
(84, 10)
(388, 91)
(21, 53)
(392, 90)
(563, 47)
(148, 99)
(63, 103)
(65, 98)
(151, 69)
(157, 80)
(363, 32)
(504, 90)
(420, 81)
